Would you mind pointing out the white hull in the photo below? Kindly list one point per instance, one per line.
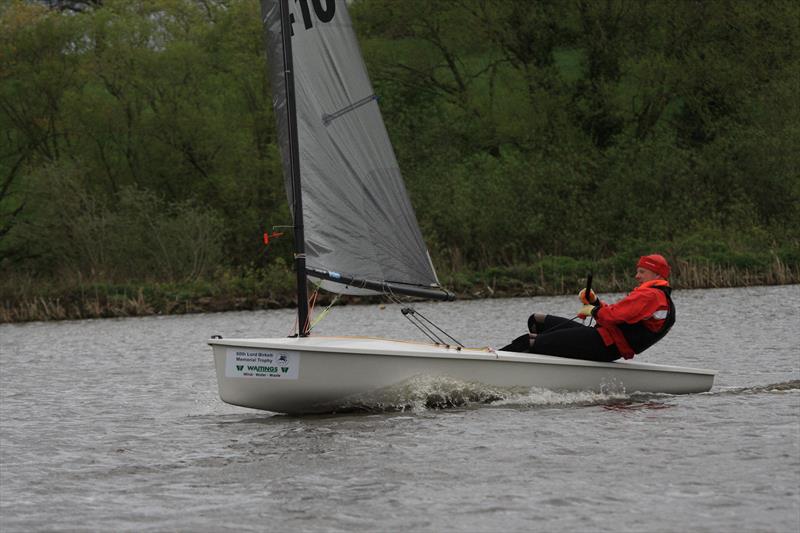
(321, 374)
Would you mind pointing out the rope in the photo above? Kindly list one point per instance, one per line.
(311, 302)
(324, 312)
(591, 319)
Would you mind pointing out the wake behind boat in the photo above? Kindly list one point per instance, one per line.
(355, 232)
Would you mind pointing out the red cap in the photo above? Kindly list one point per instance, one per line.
(655, 263)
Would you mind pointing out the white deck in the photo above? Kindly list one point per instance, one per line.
(372, 345)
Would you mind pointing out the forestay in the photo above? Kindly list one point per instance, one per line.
(359, 223)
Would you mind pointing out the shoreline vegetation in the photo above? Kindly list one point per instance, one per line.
(24, 301)
(140, 167)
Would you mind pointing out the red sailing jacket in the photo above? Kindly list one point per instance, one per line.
(639, 320)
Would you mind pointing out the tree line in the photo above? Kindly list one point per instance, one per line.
(137, 138)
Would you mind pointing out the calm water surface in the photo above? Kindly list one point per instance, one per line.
(115, 425)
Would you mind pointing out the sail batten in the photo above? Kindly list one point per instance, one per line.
(327, 118)
(357, 217)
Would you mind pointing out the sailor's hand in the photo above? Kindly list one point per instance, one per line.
(591, 300)
(586, 311)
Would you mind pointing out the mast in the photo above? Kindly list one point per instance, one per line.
(297, 195)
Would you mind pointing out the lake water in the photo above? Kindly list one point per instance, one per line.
(115, 425)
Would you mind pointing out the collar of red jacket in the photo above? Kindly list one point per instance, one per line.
(654, 283)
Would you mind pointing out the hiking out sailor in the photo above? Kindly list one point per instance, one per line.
(622, 329)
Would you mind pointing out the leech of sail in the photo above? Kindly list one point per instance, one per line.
(327, 119)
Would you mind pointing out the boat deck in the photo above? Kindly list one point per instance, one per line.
(374, 346)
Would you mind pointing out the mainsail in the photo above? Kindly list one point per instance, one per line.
(361, 233)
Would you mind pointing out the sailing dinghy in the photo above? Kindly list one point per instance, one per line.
(355, 232)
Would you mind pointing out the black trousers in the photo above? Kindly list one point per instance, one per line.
(564, 338)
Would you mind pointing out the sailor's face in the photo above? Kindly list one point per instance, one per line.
(643, 275)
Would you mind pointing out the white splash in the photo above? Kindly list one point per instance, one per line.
(421, 393)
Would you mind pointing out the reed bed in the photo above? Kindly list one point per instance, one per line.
(24, 300)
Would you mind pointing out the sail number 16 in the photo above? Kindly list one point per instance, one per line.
(323, 9)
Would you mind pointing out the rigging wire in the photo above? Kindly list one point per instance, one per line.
(427, 331)
(426, 326)
(422, 323)
(414, 312)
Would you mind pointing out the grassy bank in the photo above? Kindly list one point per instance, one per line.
(26, 299)
(564, 276)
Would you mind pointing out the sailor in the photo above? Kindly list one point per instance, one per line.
(623, 329)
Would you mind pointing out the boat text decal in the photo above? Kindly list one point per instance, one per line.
(261, 363)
